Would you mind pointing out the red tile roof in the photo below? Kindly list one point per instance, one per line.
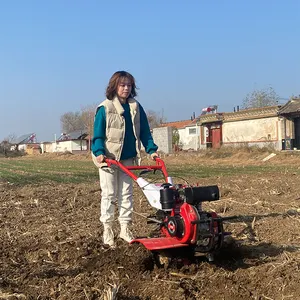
(177, 124)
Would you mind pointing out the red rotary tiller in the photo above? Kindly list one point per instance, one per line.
(180, 216)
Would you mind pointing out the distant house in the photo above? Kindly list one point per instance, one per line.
(290, 116)
(255, 126)
(47, 147)
(26, 143)
(188, 133)
(74, 142)
(276, 126)
(32, 149)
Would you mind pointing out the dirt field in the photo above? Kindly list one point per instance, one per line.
(51, 240)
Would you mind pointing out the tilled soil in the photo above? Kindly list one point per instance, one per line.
(51, 245)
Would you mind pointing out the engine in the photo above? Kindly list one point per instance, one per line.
(183, 218)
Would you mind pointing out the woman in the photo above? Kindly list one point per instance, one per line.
(120, 126)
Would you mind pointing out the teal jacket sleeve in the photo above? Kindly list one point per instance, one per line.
(99, 132)
(145, 134)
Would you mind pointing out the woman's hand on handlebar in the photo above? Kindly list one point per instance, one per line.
(100, 158)
(154, 155)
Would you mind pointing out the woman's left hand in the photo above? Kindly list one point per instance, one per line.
(154, 155)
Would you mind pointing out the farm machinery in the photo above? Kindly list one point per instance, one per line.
(182, 222)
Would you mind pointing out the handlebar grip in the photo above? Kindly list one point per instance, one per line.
(97, 164)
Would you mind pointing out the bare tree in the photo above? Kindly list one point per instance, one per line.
(261, 98)
(176, 139)
(6, 144)
(11, 138)
(71, 121)
(87, 116)
(154, 119)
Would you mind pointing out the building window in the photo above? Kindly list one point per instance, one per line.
(192, 131)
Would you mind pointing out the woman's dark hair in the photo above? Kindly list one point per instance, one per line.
(114, 81)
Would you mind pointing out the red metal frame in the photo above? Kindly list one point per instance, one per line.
(160, 165)
(188, 213)
(159, 243)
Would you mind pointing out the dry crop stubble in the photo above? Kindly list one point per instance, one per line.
(51, 234)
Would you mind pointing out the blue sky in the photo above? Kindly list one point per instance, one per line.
(57, 56)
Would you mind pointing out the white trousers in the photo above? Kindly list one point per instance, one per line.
(116, 187)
